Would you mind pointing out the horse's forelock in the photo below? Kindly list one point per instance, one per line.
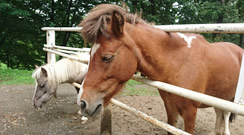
(94, 24)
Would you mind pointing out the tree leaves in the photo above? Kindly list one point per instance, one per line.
(21, 38)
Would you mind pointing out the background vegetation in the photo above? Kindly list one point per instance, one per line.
(10, 76)
(21, 38)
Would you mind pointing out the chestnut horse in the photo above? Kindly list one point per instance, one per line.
(124, 43)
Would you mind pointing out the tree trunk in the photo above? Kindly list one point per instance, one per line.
(69, 23)
(220, 18)
(52, 12)
(52, 20)
(153, 7)
(3, 39)
(67, 34)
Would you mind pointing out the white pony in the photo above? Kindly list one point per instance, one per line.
(49, 76)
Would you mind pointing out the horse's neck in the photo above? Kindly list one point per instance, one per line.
(155, 48)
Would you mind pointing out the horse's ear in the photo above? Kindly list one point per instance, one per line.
(36, 67)
(44, 72)
(117, 23)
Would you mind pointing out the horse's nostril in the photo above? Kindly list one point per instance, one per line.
(82, 104)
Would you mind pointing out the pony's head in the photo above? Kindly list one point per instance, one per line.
(44, 88)
(114, 56)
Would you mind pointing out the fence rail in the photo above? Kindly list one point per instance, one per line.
(196, 96)
(66, 55)
(195, 28)
(68, 48)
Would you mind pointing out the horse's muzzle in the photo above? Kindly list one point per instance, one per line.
(90, 111)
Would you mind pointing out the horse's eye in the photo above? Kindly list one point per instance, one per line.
(42, 86)
(107, 58)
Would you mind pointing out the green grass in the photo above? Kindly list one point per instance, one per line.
(132, 83)
(137, 88)
(10, 76)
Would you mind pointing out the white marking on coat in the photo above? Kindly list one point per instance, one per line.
(94, 49)
(187, 39)
(81, 88)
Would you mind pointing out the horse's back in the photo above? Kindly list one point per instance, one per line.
(232, 49)
(223, 65)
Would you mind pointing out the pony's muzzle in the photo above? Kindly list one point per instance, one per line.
(37, 106)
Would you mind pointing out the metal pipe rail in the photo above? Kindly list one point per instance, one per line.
(68, 48)
(148, 118)
(66, 55)
(204, 28)
(196, 96)
(69, 52)
(70, 29)
(194, 28)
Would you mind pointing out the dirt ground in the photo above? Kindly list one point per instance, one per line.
(59, 116)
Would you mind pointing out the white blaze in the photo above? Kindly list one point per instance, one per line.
(94, 49)
(187, 39)
(80, 92)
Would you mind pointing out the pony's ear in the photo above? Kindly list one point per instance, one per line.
(36, 67)
(117, 23)
(44, 72)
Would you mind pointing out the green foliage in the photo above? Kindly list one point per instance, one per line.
(21, 38)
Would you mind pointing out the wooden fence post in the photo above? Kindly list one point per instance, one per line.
(106, 121)
(51, 58)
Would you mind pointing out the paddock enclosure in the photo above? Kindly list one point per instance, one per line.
(106, 123)
(18, 115)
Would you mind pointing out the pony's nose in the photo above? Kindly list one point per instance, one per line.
(83, 104)
(34, 105)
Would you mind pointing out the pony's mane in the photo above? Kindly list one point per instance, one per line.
(93, 24)
(61, 71)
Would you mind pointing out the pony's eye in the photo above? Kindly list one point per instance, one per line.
(107, 57)
(42, 86)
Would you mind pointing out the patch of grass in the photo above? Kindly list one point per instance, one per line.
(132, 83)
(134, 88)
(10, 76)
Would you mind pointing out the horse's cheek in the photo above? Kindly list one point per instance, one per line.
(127, 68)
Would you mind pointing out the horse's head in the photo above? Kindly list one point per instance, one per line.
(113, 58)
(44, 88)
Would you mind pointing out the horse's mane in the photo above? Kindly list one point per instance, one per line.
(93, 24)
(60, 71)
